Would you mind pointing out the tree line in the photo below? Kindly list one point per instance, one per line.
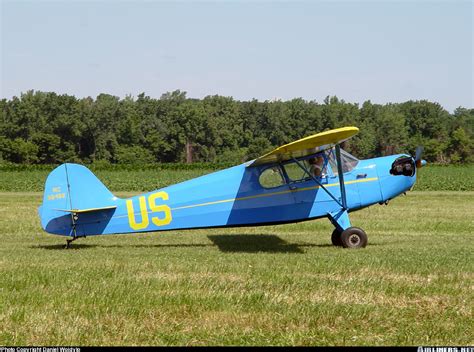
(49, 128)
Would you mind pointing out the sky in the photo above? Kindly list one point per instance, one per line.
(383, 51)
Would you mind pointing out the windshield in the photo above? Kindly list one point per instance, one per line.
(348, 161)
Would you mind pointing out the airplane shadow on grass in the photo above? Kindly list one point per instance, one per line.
(240, 243)
(253, 244)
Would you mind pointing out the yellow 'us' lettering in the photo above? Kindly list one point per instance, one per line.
(143, 212)
(145, 221)
(162, 208)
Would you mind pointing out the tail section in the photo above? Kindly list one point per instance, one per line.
(71, 189)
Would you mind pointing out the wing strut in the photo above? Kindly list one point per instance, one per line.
(319, 183)
(341, 176)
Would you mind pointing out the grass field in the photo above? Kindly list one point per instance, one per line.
(277, 285)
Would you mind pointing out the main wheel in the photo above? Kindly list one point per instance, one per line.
(336, 238)
(353, 237)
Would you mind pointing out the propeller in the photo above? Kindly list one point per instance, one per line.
(418, 161)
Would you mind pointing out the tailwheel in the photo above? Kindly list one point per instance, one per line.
(353, 237)
(336, 238)
(68, 243)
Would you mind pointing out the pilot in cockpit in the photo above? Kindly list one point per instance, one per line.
(316, 165)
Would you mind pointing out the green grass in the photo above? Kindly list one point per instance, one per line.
(277, 285)
(31, 178)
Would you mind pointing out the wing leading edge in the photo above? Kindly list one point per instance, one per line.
(306, 146)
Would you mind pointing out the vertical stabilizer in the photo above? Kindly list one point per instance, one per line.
(71, 188)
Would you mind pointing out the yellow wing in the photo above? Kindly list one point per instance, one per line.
(306, 146)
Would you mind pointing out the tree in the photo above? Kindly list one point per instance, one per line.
(19, 151)
(391, 131)
(133, 155)
(259, 147)
(45, 127)
(461, 147)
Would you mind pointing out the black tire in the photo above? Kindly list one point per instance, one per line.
(336, 238)
(354, 237)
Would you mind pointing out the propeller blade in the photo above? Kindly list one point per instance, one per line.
(418, 153)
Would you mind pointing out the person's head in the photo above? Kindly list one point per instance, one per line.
(316, 160)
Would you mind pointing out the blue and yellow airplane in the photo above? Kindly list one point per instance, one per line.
(308, 179)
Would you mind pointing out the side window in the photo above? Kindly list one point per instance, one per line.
(315, 165)
(271, 177)
(295, 173)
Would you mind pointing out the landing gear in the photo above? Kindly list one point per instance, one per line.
(336, 238)
(353, 237)
(68, 242)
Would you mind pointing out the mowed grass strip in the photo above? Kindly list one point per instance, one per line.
(276, 285)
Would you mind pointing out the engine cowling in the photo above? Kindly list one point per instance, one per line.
(403, 166)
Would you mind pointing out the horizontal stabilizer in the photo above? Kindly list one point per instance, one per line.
(86, 210)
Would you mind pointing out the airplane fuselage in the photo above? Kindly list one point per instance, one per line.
(236, 197)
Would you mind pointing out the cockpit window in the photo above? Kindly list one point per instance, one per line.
(315, 165)
(275, 176)
(348, 161)
(272, 177)
(295, 172)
